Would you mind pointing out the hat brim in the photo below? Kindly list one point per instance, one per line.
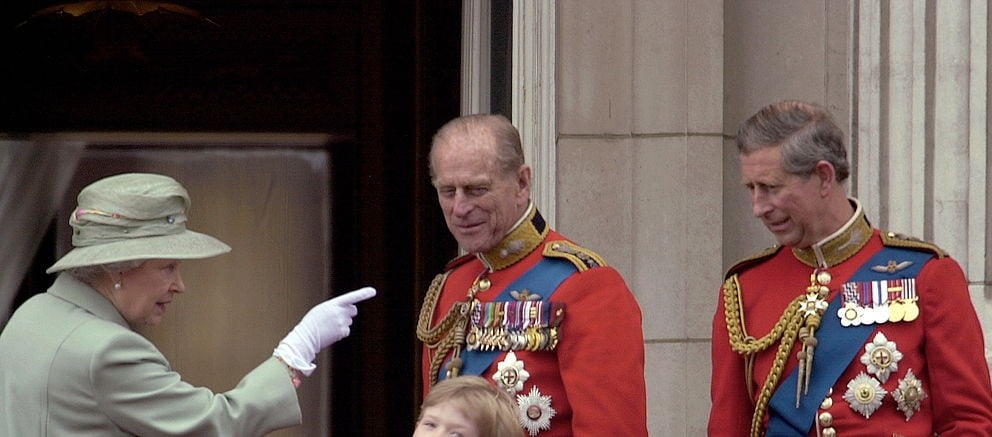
(185, 245)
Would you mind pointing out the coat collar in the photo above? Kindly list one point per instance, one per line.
(840, 245)
(78, 293)
(526, 235)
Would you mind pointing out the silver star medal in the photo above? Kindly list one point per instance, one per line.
(510, 374)
(909, 395)
(881, 357)
(864, 394)
(534, 411)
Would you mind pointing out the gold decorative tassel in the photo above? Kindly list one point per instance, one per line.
(812, 308)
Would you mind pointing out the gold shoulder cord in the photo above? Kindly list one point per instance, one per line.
(786, 329)
(449, 332)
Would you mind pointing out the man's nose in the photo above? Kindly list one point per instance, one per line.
(462, 204)
(759, 203)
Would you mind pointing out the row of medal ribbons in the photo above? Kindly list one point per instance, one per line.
(514, 325)
(876, 302)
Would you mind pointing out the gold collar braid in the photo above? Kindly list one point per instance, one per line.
(839, 246)
(526, 236)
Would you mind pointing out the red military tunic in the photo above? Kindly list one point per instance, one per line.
(595, 375)
(943, 347)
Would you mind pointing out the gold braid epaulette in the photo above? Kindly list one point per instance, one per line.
(900, 240)
(751, 260)
(448, 333)
(786, 329)
(583, 259)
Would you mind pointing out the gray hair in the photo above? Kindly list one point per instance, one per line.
(88, 274)
(490, 128)
(805, 131)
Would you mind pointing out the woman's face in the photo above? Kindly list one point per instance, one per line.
(146, 290)
(445, 419)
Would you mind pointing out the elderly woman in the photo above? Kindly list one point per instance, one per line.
(70, 363)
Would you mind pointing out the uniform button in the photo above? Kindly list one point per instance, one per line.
(827, 403)
(829, 432)
(826, 419)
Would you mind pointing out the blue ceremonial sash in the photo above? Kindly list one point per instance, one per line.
(542, 279)
(837, 346)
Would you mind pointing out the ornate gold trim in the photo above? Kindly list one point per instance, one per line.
(584, 259)
(448, 333)
(517, 244)
(786, 330)
(900, 240)
(836, 249)
(739, 266)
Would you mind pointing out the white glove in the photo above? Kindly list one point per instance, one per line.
(324, 324)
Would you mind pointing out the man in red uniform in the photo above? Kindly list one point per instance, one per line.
(536, 314)
(840, 329)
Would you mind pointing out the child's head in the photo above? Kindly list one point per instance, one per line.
(468, 406)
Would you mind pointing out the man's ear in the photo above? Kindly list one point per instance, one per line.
(523, 177)
(827, 174)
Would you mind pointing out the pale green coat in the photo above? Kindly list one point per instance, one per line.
(71, 365)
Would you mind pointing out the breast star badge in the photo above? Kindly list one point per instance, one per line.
(510, 374)
(864, 394)
(534, 411)
(881, 357)
(909, 395)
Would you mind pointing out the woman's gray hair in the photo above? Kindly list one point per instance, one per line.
(88, 274)
(805, 131)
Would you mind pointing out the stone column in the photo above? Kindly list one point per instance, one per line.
(921, 144)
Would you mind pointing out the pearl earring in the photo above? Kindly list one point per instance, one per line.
(117, 285)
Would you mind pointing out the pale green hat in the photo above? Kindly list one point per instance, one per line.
(134, 216)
